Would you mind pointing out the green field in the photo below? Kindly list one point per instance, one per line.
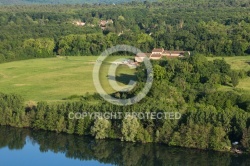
(53, 79)
(238, 63)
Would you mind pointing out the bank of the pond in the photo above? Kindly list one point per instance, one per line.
(47, 148)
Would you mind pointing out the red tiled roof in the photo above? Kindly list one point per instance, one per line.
(156, 55)
(177, 52)
(166, 52)
(143, 54)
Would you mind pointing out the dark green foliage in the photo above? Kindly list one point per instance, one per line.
(248, 73)
(234, 78)
(159, 72)
(203, 137)
(216, 28)
(246, 139)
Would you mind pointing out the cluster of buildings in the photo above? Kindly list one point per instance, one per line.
(158, 53)
(103, 23)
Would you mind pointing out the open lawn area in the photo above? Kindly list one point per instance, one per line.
(238, 63)
(53, 79)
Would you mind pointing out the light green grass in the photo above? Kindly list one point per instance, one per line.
(238, 63)
(53, 79)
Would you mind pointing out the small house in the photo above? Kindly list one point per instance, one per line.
(157, 51)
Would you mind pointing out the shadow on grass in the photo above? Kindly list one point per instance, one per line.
(123, 78)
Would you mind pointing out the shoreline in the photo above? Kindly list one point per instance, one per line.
(231, 151)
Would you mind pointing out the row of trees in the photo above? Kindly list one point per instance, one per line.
(203, 128)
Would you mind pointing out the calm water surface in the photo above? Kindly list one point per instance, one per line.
(40, 148)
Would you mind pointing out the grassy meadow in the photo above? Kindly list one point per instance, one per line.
(53, 79)
(238, 63)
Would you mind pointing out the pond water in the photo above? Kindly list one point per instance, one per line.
(28, 147)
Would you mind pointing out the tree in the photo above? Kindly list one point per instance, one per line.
(159, 72)
(101, 128)
(246, 139)
(130, 126)
(234, 78)
(2, 58)
(121, 18)
(218, 139)
(248, 73)
(60, 124)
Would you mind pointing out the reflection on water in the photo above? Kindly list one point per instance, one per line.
(112, 152)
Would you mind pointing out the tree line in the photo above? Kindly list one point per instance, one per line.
(111, 151)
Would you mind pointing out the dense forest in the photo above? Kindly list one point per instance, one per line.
(214, 28)
(211, 119)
